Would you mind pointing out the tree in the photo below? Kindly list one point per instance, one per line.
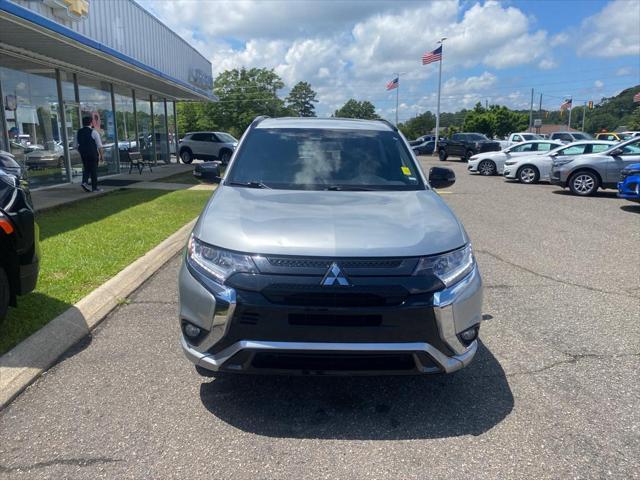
(506, 121)
(355, 109)
(243, 95)
(301, 99)
(479, 120)
(419, 125)
(634, 120)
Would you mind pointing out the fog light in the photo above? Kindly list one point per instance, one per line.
(469, 335)
(191, 331)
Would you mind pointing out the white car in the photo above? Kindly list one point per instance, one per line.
(492, 163)
(536, 168)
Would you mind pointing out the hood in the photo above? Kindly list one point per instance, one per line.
(332, 224)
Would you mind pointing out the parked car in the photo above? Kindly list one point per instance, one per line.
(537, 168)
(207, 146)
(492, 163)
(519, 137)
(632, 133)
(465, 145)
(19, 250)
(37, 157)
(613, 136)
(570, 137)
(425, 148)
(584, 174)
(421, 140)
(629, 185)
(325, 250)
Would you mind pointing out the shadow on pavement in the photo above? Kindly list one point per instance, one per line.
(469, 402)
(631, 208)
(610, 194)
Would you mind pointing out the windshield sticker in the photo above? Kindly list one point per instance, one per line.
(406, 170)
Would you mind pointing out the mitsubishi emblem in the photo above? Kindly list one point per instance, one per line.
(334, 276)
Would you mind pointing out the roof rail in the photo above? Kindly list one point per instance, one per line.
(393, 127)
(257, 120)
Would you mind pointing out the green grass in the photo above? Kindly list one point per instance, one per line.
(184, 177)
(86, 243)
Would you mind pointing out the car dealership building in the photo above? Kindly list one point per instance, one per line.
(111, 60)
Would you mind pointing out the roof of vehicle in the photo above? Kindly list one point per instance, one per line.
(324, 123)
(597, 142)
(570, 133)
(205, 131)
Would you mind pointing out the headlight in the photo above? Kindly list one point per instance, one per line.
(510, 162)
(563, 161)
(450, 267)
(221, 264)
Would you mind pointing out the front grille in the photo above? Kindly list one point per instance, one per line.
(324, 263)
(334, 361)
(318, 296)
(328, 320)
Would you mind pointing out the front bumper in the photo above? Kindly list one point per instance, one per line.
(509, 171)
(472, 166)
(557, 177)
(243, 335)
(629, 189)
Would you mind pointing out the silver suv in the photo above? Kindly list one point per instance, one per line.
(584, 174)
(325, 250)
(207, 146)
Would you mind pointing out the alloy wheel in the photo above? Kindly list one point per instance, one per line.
(527, 175)
(583, 184)
(487, 168)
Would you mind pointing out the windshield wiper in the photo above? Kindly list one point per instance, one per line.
(250, 184)
(346, 188)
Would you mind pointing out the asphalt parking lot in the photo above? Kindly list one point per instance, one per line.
(552, 393)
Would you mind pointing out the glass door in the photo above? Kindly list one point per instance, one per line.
(72, 120)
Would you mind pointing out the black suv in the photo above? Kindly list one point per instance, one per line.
(19, 251)
(465, 145)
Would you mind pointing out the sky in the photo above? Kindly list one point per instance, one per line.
(495, 51)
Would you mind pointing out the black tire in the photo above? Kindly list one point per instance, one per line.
(225, 156)
(5, 294)
(205, 372)
(442, 154)
(468, 154)
(528, 174)
(186, 156)
(487, 168)
(584, 183)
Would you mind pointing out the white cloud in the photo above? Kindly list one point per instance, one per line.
(612, 32)
(559, 39)
(547, 64)
(622, 71)
(479, 83)
(598, 84)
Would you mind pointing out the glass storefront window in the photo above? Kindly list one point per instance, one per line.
(171, 122)
(143, 110)
(125, 122)
(160, 127)
(95, 102)
(73, 123)
(33, 119)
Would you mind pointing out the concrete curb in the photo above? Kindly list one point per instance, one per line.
(23, 364)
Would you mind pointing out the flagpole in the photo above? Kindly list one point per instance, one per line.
(397, 94)
(435, 147)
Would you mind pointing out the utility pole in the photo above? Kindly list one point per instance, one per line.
(570, 109)
(531, 112)
(584, 112)
(435, 147)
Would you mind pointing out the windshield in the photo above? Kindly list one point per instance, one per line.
(476, 137)
(226, 138)
(531, 136)
(323, 159)
(582, 136)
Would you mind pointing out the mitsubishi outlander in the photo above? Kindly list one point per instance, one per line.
(325, 250)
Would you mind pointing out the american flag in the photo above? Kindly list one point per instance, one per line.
(636, 97)
(566, 104)
(393, 84)
(431, 57)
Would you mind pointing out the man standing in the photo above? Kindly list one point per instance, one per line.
(90, 148)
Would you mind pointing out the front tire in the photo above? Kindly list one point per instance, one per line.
(5, 294)
(528, 174)
(225, 157)
(487, 168)
(442, 155)
(584, 183)
(186, 156)
(467, 155)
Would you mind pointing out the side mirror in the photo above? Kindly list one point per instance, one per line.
(207, 172)
(616, 152)
(441, 177)
(553, 155)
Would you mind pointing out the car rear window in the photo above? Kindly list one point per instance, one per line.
(325, 159)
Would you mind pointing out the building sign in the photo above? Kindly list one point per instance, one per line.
(200, 79)
(74, 9)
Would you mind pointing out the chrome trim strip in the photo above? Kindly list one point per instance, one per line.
(443, 302)
(214, 362)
